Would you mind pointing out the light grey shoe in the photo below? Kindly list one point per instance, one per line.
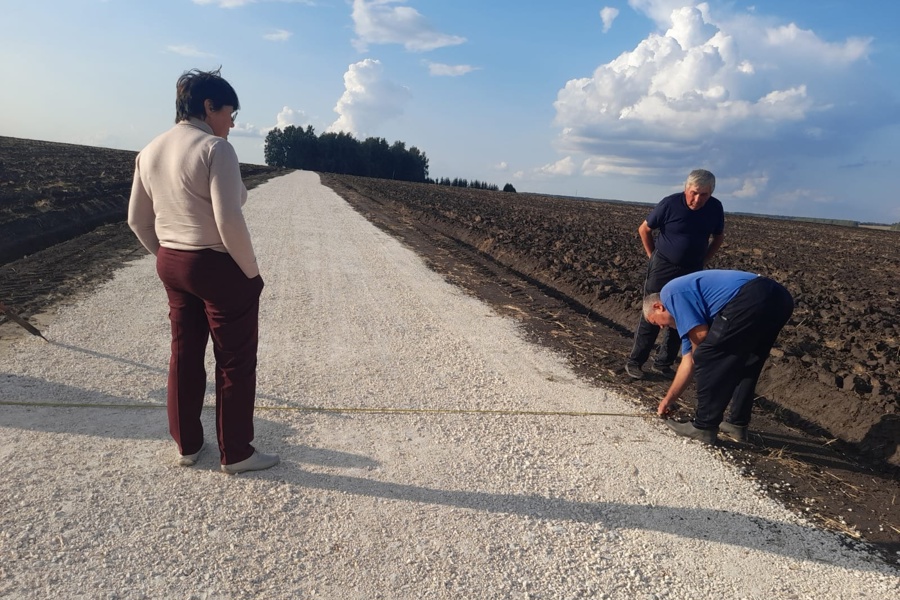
(189, 460)
(707, 436)
(736, 432)
(257, 462)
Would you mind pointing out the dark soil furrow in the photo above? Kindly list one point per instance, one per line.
(570, 271)
(586, 311)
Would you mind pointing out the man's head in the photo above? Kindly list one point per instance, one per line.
(655, 312)
(698, 188)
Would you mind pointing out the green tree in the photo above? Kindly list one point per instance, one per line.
(298, 148)
(376, 154)
(275, 149)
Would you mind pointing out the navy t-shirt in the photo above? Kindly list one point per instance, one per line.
(684, 233)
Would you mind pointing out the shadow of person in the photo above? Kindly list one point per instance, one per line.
(882, 440)
(761, 534)
(125, 418)
(40, 405)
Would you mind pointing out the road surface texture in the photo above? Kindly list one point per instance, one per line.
(454, 459)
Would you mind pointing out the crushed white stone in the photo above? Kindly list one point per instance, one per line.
(371, 505)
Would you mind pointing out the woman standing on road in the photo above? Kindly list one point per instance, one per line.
(185, 208)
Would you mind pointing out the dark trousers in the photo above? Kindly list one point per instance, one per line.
(659, 272)
(209, 295)
(728, 362)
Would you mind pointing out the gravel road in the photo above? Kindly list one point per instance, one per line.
(445, 501)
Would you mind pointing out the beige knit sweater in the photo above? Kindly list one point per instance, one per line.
(188, 193)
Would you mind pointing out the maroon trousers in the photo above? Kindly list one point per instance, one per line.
(209, 295)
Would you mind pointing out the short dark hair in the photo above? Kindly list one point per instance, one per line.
(194, 87)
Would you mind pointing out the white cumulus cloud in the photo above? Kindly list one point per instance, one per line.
(608, 14)
(286, 117)
(565, 166)
(723, 90)
(750, 186)
(660, 10)
(247, 130)
(369, 99)
(391, 22)
(289, 116)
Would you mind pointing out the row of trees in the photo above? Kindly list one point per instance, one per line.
(298, 148)
(457, 182)
(477, 185)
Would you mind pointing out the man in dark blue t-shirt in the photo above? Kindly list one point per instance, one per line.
(686, 222)
(727, 322)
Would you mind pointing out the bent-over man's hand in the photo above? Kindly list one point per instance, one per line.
(667, 407)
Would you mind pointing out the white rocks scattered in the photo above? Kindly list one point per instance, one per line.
(372, 505)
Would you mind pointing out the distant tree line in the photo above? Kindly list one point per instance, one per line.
(475, 185)
(298, 148)
(842, 222)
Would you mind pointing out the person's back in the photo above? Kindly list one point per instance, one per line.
(185, 208)
(176, 169)
(696, 298)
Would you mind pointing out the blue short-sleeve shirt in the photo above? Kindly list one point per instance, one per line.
(697, 298)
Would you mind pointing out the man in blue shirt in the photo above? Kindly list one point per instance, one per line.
(728, 322)
(685, 222)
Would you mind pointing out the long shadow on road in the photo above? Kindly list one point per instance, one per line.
(719, 526)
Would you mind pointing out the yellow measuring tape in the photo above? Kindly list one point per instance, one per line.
(337, 409)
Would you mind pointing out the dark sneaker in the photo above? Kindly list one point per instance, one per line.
(634, 371)
(664, 370)
(707, 436)
(736, 432)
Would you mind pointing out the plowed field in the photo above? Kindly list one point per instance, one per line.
(827, 429)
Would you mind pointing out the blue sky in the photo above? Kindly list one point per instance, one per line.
(792, 103)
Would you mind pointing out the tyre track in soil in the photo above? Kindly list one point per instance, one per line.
(796, 463)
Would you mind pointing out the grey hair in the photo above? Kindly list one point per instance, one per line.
(649, 301)
(702, 179)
